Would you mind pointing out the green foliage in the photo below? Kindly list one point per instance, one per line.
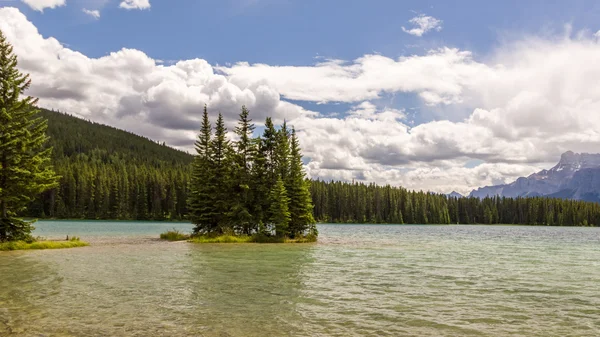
(279, 214)
(108, 173)
(200, 199)
(300, 200)
(24, 245)
(339, 202)
(24, 159)
(174, 235)
(246, 184)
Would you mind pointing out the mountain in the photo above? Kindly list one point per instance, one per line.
(454, 194)
(576, 176)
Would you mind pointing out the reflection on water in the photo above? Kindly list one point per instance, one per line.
(358, 280)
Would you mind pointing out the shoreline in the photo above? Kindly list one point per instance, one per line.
(42, 245)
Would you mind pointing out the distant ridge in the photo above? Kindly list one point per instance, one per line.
(454, 194)
(576, 176)
(71, 135)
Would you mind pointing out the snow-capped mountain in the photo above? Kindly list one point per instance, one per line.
(576, 176)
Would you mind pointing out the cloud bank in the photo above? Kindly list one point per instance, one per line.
(530, 101)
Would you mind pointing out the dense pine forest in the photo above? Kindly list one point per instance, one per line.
(107, 173)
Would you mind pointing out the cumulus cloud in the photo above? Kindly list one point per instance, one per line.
(93, 13)
(40, 5)
(529, 102)
(135, 4)
(128, 89)
(423, 24)
(438, 77)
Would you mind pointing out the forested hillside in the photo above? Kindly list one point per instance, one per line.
(108, 173)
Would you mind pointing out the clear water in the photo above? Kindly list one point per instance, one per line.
(359, 280)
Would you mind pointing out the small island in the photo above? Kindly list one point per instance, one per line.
(248, 190)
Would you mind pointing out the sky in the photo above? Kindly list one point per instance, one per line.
(431, 95)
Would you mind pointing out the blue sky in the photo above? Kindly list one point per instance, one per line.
(288, 32)
(483, 93)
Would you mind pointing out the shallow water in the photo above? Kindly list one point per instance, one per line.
(359, 280)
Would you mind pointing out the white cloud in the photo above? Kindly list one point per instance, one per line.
(93, 13)
(526, 104)
(438, 77)
(130, 90)
(135, 4)
(423, 24)
(40, 5)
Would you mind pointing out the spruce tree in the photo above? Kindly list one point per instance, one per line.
(269, 147)
(279, 214)
(221, 178)
(259, 184)
(282, 152)
(300, 200)
(245, 147)
(25, 169)
(200, 200)
(263, 172)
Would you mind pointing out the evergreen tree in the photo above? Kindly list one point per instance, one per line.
(200, 201)
(282, 152)
(221, 178)
(300, 201)
(25, 169)
(268, 147)
(245, 147)
(279, 214)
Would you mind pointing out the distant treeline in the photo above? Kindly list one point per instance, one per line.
(107, 173)
(339, 202)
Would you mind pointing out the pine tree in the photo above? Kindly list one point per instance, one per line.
(221, 178)
(279, 212)
(245, 147)
(300, 204)
(282, 152)
(200, 200)
(24, 159)
(268, 147)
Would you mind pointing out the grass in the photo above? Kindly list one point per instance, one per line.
(174, 235)
(22, 245)
(256, 238)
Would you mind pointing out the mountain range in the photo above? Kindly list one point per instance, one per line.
(576, 176)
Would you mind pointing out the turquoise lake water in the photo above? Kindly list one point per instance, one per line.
(358, 280)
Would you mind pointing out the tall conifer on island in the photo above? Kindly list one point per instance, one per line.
(246, 149)
(221, 178)
(298, 192)
(200, 200)
(279, 214)
(24, 160)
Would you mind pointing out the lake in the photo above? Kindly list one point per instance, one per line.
(358, 280)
